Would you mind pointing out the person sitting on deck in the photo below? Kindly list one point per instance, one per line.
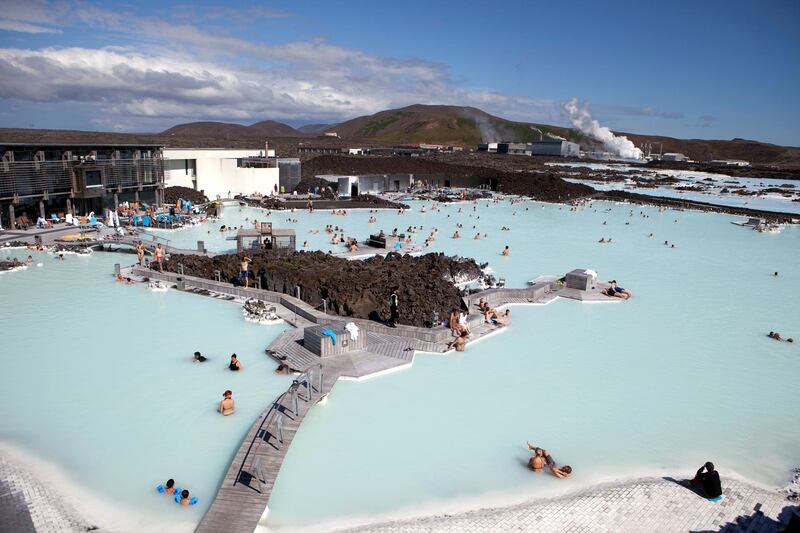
(185, 497)
(618, 292)
(462, 321)
(708, 481)
(493, 316)
(235, 364)
(199, 358)
(226, 406)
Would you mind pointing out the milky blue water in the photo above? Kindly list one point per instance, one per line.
(98, 380)
(710, 193)
(680, 374)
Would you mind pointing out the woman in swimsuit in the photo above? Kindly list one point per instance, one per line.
(226, 406)
(235, 364)
(538, 461)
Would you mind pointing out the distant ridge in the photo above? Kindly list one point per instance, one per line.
(265, 128)
(315, 129)
(415, 124)
(441, 124)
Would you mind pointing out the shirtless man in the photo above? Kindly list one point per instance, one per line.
(226, 406)
(244, 268)
(159, 256)
(459, 342)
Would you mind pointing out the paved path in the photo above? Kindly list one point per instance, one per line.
(29, 506)
(644, 505)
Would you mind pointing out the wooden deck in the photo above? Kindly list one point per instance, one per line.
(244, 494)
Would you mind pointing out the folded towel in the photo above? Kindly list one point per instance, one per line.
(330, 334)
(353, 329)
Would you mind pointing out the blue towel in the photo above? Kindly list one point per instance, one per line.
(717, 499)
(330, 334)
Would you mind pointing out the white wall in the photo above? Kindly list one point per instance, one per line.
(217, 172)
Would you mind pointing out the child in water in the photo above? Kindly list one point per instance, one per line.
(185, 497)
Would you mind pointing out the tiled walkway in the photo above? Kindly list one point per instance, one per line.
(28, 506)
(644, 505)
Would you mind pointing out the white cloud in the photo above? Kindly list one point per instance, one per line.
(186, 72)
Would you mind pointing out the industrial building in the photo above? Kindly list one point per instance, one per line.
(40, 179)
(555, 147)
(674, 156)
(222, 172)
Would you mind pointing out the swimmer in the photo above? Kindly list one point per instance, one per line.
(506, 252)
(185, 497)
(283, 368)
(199, 358)
(169, 486)
(235, 365)
(562, 472)
(128, 281)
(226, 406)
(120, 279)
(29, 260)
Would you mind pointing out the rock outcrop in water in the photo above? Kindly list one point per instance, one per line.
(174, 193)
(361, 289)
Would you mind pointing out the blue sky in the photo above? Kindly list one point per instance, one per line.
(709, 69)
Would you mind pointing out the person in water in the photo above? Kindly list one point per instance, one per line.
(199, 358)
(226, 406)
(169, 486)
(708, 482)
(235, 364)
(506, 251)
(185, 497)
(777, 336)
(542, 459)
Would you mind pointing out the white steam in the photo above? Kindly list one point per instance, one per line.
(583, 121)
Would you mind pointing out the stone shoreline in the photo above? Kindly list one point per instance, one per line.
(28, 505)
(645, 504)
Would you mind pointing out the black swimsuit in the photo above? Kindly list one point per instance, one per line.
(233, 367)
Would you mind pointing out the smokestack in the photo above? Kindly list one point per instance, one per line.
(266, 149)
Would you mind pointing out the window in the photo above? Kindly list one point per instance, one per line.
(93, 178)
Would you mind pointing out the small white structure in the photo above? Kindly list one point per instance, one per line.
(674, 156)
(219, 171)
(729, 163)
(369, 183)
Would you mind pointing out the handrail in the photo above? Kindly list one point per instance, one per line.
(274, 415)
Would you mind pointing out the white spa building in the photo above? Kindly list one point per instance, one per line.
(222, 171)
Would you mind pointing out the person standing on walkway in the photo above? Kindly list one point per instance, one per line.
(140, 252)
(159, 257)
(394, 303)
(244, 269)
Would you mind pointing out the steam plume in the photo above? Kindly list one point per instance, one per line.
(583, 121)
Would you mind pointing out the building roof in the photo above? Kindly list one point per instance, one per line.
(84, 144)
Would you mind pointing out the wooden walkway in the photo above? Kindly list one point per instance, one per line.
(244, 494)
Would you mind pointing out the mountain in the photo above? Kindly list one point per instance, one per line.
(222, 130)
(439, 124)
(314, 129)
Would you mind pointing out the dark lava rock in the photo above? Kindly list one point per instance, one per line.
(358, 289)
(174, 193)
